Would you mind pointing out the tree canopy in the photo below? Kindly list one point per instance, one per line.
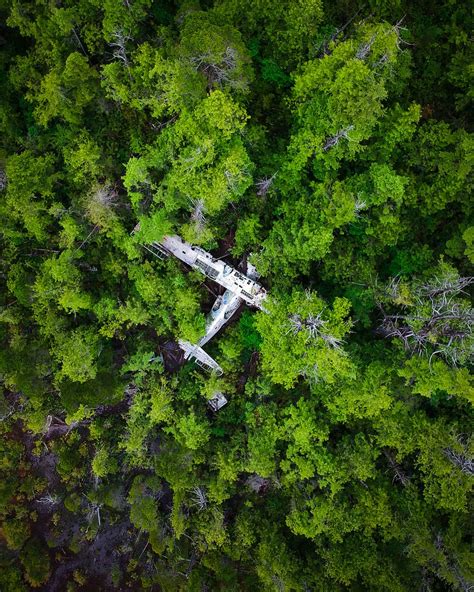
(328, 143)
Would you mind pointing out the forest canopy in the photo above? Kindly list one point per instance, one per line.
(330, 145)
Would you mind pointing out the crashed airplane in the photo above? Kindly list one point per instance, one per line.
(239, 288)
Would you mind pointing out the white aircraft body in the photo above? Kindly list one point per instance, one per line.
(200, 356)
(239, 288)
(215, 269)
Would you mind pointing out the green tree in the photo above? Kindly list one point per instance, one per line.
(65, 92)
(303, 337)
(30, 192)
(35, 560)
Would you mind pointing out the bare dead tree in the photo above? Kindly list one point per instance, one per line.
(119, 46)
(8, 414)
(86, 240)
(105, 195)
(314, 328)
(443, 286)
(381, 61)
(323, 49)
(278, 583)
(385, 57)
(49, 500)
(334, 140)
(191, 160)
(398, 473)
(311, 373)
(264, 185)
(332, 341)
(365, 48)
(359, 206)
(392, 289)
(3, 179)
(438, 542)
(93, 512)
(79, 42)
(234, 179)
(464, 463)
(296, 324)
(452, 564)
(426, 581)
(434, 320)
(197, 215)
(199, 498)
(55, 427)
(48, 422)
(257, 483)
(463, 460)
(162, 124)
(100, 202)
(314, 325)
(219, 69)
(397, 28)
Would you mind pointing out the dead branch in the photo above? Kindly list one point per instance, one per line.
(264, 185)
(334, 140)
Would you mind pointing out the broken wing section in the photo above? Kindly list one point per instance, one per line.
(202, 359)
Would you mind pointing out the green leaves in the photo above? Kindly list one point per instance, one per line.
(192, 431)
(306, 229)
(215, 51)
(201, 158)
(305, 435)
(35, 559)
(103, 464)
(333, 150)
(285, 29)
(29, 192)
(444, 160)
(77, 354)
(262, 439)
(343, 91)
(367, 395)
(206, 155)
(153, 83)
(66, 92)
(302, 337)
(337, 103)
(429, 379)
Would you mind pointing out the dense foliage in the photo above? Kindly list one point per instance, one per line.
(328, 142)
